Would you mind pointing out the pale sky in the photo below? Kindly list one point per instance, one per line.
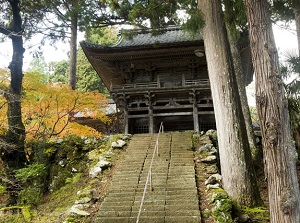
(286, 41)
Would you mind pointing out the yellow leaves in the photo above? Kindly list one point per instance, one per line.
(4, 87)
(48, 109)
(4, 79)
(76, 129)
(3, 116)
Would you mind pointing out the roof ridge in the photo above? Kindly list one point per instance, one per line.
(150, 30)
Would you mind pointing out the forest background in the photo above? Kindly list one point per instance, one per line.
(275, 131)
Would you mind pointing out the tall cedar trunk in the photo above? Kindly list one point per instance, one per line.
(242, 92)
(235, 158)
(297, 19)
(12, 154)
(73, 44)
(279, 151)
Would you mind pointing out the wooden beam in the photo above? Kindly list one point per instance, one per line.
(173, 114)
(206, 112)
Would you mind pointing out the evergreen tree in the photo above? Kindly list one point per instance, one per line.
(238, 173)
(72, 16)
(280, 156)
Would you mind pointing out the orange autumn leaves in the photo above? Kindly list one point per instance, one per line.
(48, 109)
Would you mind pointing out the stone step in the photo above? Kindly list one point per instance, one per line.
(179, 207)
(178, 196)
(182, 192)
(116, 203)
(174, 197)
(183, 202)
(148, 207)
(194, 212)
(129, 213)
(107, 213)
(116, 208)
(150, 202)
(112, 220)
(183, 219)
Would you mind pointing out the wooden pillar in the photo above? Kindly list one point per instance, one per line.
(124, 102)
(183, 80)
(195, 117)
(126, 120)
(158, 81)
(195, 110)
(150, 96)
(151, 120)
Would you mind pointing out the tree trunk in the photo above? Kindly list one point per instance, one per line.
(297, 20)
(73, 44)
(279, 151)
(242, 92)
(235, 157)
(12, 152)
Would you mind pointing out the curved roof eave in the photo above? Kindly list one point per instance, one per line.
(144, 39)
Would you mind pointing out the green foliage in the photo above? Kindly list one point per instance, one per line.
(154, 13)
(65, 158)
(33, 178)
(26, 213)
(282, 10)
(39, 65)
(2, 190)
(235, 17)
(87, 77)
(12, 218)
(223, 206)
(257, 214)
(195, 140)
(73, 179)
(195, 23)
(59, 71)
(32, 14)
(103, 36)
(294, 112)
(30, 173)
(50, 151)
(290, 70)
(70, 219)
(21, 214)
(31, 196)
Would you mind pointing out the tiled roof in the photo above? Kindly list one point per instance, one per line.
(168, 35)
(148, 37)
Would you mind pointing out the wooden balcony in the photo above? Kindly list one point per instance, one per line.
(201, 83)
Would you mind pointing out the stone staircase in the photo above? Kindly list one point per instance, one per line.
(172, 197)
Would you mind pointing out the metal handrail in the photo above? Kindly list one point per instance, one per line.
(149, 175)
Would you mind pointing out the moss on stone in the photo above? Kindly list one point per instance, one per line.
(257, 214)
(222, 206)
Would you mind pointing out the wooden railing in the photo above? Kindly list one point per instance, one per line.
(197, 82)
(200, 82)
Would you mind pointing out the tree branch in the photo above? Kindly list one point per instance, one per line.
(5, 31)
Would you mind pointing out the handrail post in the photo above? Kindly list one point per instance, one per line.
(151, 187)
